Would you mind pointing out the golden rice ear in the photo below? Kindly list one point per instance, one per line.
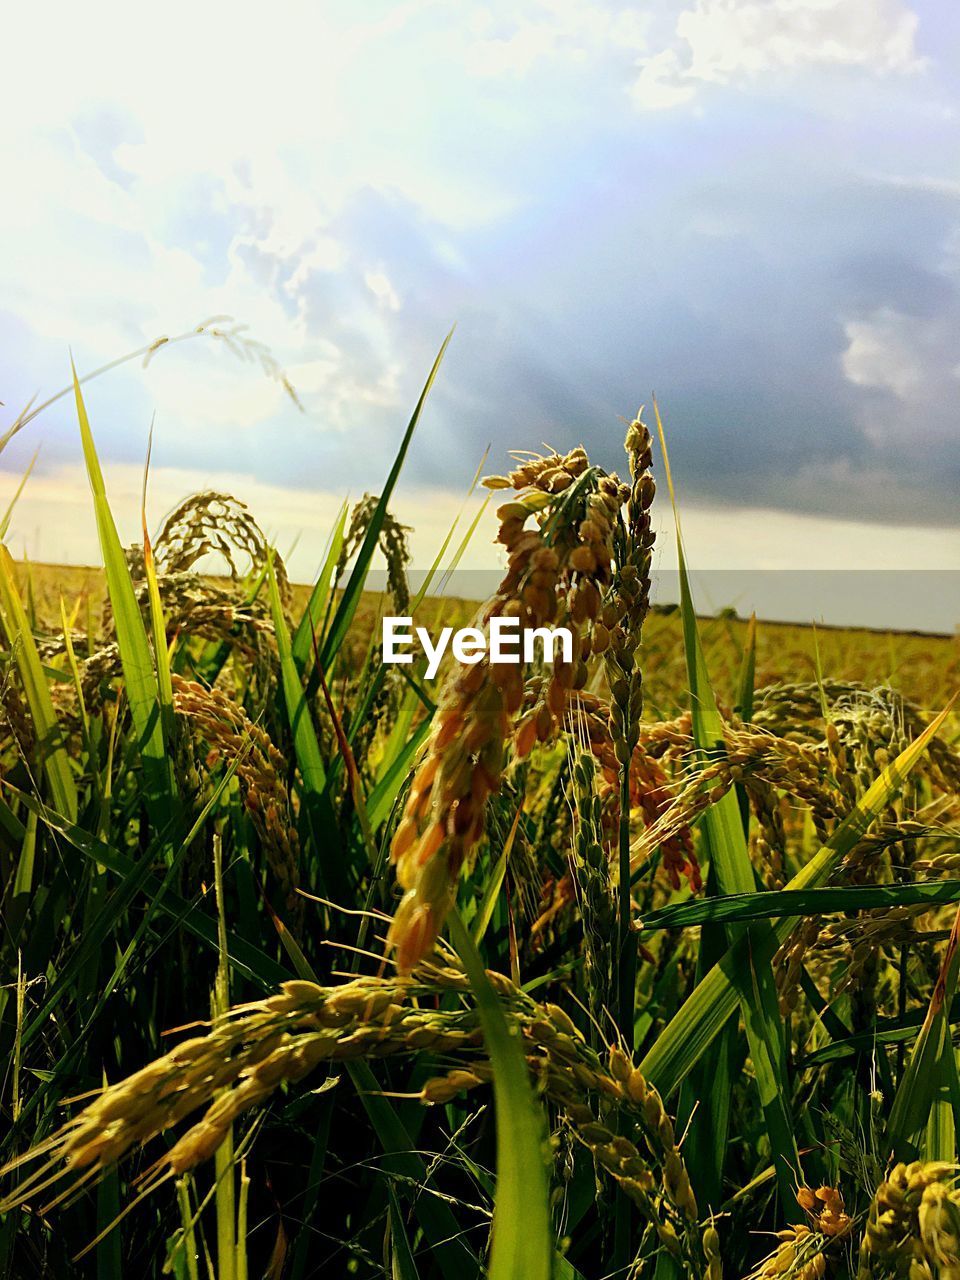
(414, 931)
(556, 574)
(394, 544)
(213, 717)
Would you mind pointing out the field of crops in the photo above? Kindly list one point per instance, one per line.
(642, 965)
(923, 668)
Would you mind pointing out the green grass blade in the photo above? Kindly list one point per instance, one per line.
(139, 671)
(383, 795)
(5, 522)
(425, 585)
(895, 1031)
(109, 1250)
(491, 893)
(315, 611)
(225, 1193)
(400, 732)
(74, 670)
(804, 902)
(17, 902)
(402, 1265)
(923, 1098)
(23, 877)
(50, 741)
(461, 549)
(522, 1235)
(298, 713)
(940, 1140)
(157, 621)
(317, 811)
(351, 595)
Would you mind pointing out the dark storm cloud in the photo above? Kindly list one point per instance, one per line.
(732, 301)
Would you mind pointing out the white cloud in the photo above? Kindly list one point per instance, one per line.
(511, 40)
(219, 397)
(916, 361)
(159, 179)
(883, 354)
(663, 83)
(378, 282)
(726, 42)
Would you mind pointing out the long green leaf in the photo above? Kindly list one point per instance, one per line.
(805, 902)
(884, 1031)
(298, 713)
(385, 792)
(522, 1237)
(317, 810)
(157, 621)
(139, 672)
(923, 1097)
(50, 741)
(351, 595)
(5, 522)
(491, 893)
(313, 614)
(428, 579)
(402, 1264)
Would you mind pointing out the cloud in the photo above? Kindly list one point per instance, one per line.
(886, 353)
(350, 188)
(507, 40)
(729, 42)
(913, 364)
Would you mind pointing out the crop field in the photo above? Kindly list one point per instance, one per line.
(925, 669)
(642, 965)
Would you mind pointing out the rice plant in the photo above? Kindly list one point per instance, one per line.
(640, 964)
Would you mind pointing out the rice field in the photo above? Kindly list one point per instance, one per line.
(638, 965)
(923, 668)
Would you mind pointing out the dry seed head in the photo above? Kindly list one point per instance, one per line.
(445, 1088)
(479, 706)
(213, 716)
(258, 1047)
(621, 1068)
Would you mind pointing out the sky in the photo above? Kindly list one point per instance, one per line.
(751, 207)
